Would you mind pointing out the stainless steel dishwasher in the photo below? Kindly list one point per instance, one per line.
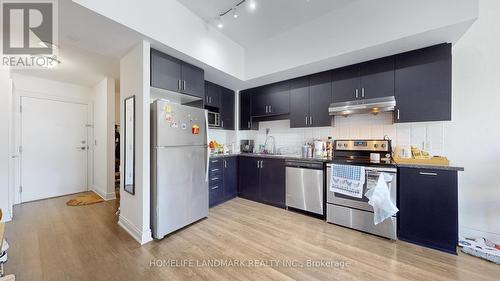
(305, 185)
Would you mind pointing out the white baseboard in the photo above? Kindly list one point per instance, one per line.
(105, 196)
(475, 233)
(142, 237)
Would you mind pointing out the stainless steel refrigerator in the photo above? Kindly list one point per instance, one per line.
(179, 169)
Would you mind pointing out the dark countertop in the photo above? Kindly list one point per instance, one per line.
(326, 160)
(432, 167)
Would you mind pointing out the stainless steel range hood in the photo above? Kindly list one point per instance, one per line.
(374, 106)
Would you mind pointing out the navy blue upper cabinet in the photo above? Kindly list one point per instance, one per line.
(320, 98)
(172, 74)
(271, 100)
(299, 102)
(372, 79)
(346, 84)
(246, 110)
(193, 80)
(423, 85)
(377, 78)
(165, 71)
(310, 97)
(212, 94)
(227, 109)
(428, 208)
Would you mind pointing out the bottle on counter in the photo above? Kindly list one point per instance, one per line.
(329, 147)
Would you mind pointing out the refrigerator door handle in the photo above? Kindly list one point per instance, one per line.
(208, 147)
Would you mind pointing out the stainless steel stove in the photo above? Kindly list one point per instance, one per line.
(355, 212)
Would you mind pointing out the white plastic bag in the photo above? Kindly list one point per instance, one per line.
(380, 199)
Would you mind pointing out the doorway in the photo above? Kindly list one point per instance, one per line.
(54, 148)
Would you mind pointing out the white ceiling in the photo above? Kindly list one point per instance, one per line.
(270, 18)
(90, 47)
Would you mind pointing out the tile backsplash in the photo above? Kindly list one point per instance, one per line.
(428, 136)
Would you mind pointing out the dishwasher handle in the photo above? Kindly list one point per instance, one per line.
(305, 165)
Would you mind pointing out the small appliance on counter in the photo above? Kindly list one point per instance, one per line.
(246, 146)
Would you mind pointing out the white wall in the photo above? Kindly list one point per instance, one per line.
(175, 26)
(5, 153)
(103, 100)
(473, 138)
(134, 81)
(362, 30)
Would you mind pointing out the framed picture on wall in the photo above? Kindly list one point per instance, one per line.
(129, 145)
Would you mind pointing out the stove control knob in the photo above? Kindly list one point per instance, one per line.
(345, 144)
(383, 145)
(376, 145)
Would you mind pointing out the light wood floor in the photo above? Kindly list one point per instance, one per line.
(50, 241)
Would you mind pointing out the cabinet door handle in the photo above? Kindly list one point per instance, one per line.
(214, 179)
(179, 84)
(249, 125)
(357, 93)
(222, 123)
(225, 164)
(428, 174)
(261, 164)
(184, 85)
(363, 92)
(397, 113)
(270, 109)
(306, 120)
(215, 187)
(310, 120)
(258, 164)
(215, 170)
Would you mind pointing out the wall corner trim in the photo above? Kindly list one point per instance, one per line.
(142, 237)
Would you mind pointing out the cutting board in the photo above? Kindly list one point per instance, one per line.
(436, 160)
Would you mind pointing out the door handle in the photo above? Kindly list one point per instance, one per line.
(270, 109)
(357, 93)
(306, 120)
(310, 120)
(179, 84)
(184, 85)
(397, 114)
(261, 164)
(363, 92)
(258, 164)
(428, 174)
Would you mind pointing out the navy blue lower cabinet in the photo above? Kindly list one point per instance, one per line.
(272, 182)
(230, 179)
(249, 178)
(262, 180)
(222, 180)
(428, 208)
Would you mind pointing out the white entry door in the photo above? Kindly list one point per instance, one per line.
(54, 148)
